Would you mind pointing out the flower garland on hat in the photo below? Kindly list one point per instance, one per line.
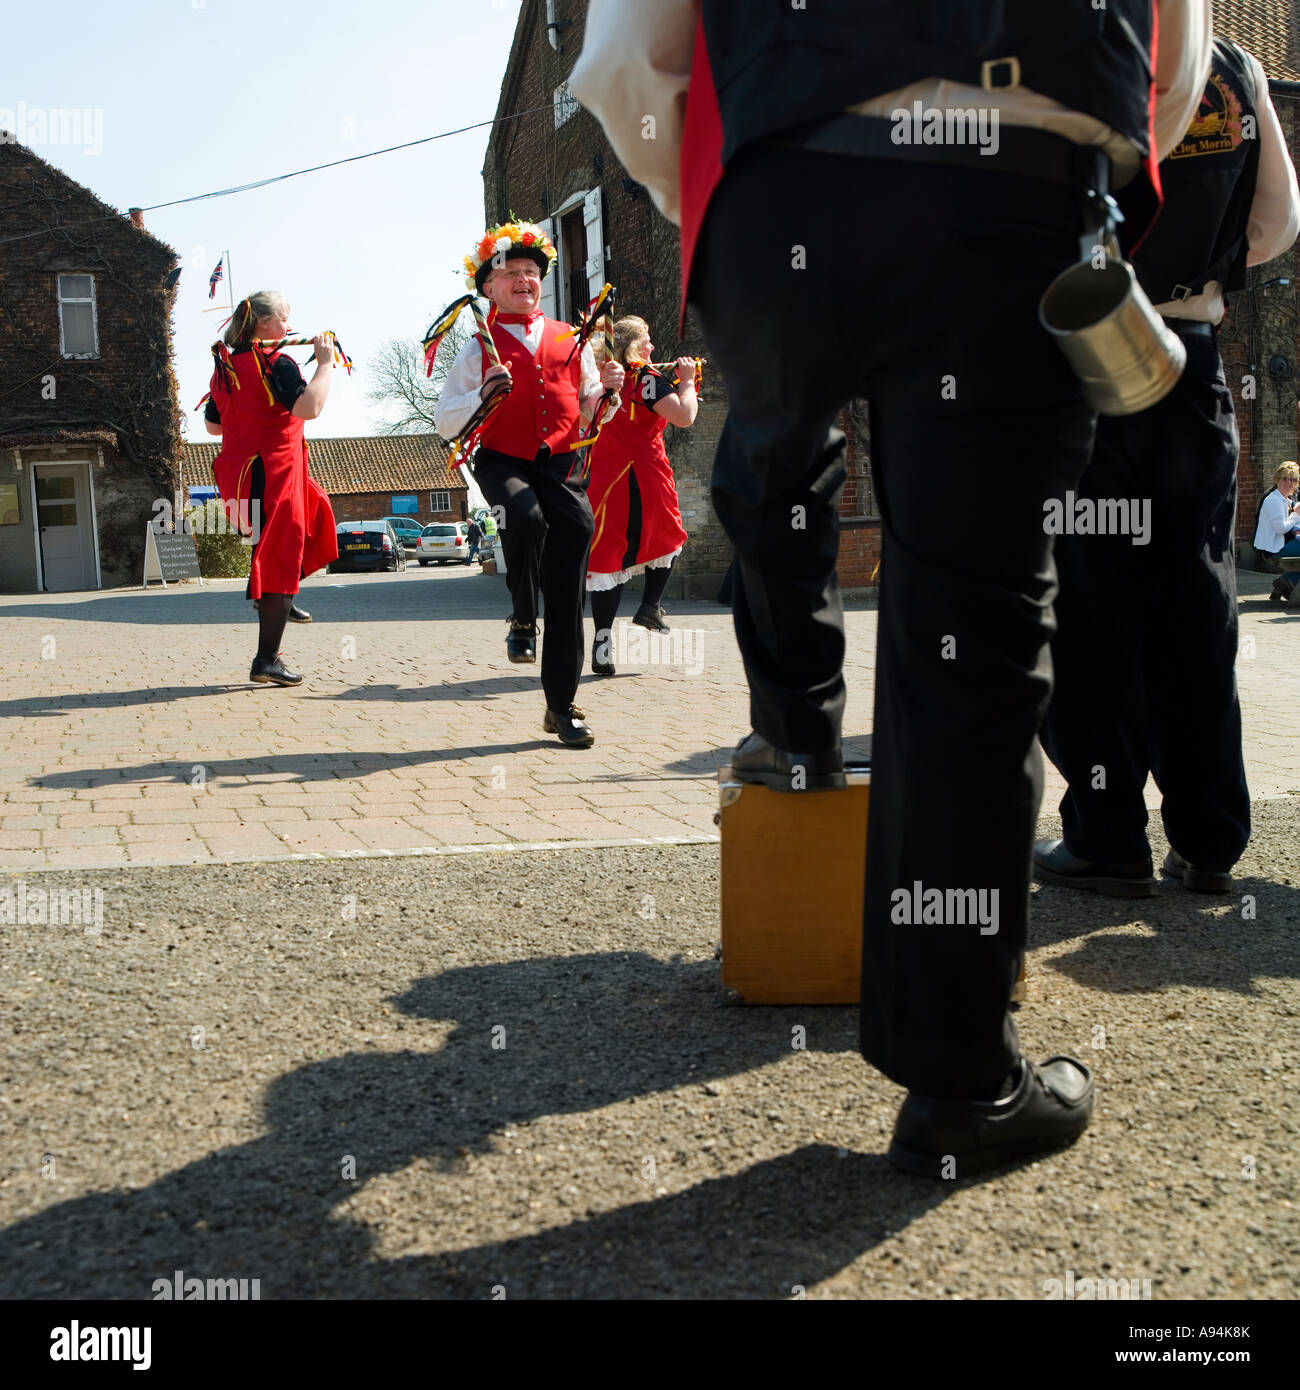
(509, 239)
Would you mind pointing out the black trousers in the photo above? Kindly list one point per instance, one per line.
(546, 526)
(916, 287)
(1147, 642)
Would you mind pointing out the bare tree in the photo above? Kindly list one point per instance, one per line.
(399, 383)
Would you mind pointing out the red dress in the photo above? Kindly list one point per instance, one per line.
(298, 534)
(632, 492)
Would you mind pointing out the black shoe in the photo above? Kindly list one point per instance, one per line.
(1049, 1107)
(296, 614)
(653, 618)
(273, 672)
(1053, 863)
(599, 667)
(756, 760)
(1282, 587)
(570, 726)
(1197, 879)
(521, 641)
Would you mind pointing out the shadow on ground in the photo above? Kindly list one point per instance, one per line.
(265, 1209)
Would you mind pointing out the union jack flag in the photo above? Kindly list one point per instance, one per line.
(215, 280)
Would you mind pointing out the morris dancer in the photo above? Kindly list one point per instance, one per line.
(1135, 695)
(258, 404)
(633, 497)
(784, 136)
(527, 464)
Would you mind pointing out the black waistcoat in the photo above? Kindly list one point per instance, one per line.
(1209, 185)
(776, 65)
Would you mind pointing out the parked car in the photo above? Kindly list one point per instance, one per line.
(444, 543)
(368, 545)
(407, 528)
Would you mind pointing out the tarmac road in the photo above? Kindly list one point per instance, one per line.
(528, 1063)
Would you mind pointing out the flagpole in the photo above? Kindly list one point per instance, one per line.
(230, 285)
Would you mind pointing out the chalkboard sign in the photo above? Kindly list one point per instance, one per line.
(169, 555)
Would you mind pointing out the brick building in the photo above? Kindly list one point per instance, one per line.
(1260, 336)
(89, 418)
(557, 167)
(367, 477)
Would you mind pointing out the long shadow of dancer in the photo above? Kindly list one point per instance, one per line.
(580, 1032)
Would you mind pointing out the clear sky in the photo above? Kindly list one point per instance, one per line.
(198, 95)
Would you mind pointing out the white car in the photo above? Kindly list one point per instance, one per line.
(443, 543)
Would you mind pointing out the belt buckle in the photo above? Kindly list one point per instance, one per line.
(986, 74)
(1182, 292)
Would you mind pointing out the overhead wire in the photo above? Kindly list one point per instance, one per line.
(280, 178)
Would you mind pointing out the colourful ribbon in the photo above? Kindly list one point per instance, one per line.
(274, 345)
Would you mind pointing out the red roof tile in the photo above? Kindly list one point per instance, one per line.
(364, 463)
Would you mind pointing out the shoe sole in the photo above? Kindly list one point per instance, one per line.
(1111, 887)
(596, 671)
(1200, 880)
(982, 1160)
(303, 621)
(651, 627)
(522, 660)
(273, 680)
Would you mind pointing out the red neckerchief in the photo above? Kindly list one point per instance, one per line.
(526, 319)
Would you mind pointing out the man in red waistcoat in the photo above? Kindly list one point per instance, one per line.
(527, 466)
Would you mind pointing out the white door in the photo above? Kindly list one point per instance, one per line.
(591, 220)
(63, 524)
(550, 304)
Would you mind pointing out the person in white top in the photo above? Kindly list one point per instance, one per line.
(830, 255)
(1278, 529)
(529, 464)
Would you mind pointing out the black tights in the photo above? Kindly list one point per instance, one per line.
(604, 602)
(272, 614)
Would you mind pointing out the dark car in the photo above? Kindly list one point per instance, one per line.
(407, 529)
(368, 545)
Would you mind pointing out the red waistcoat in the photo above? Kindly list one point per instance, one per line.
(297, 532)
(542, 404)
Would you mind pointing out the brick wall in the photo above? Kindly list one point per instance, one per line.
(374, 506)
(1261, 324)
(130, 388)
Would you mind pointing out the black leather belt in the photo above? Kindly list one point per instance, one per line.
(1023, 150)
(1191, 328)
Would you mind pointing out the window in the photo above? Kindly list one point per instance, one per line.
(564, 104)
(440, 501)
(78, 326)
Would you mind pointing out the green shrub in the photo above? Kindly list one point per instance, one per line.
(221, 555)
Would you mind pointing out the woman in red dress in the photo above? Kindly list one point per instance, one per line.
(258, 405)
(638, 524)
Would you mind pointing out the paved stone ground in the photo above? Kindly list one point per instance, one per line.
(131, 734)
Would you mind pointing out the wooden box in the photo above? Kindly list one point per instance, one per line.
(792, 878)
(792, 865)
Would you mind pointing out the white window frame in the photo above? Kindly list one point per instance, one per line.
(564, 104)
(433, 501)
(589, 199)
(94, 316)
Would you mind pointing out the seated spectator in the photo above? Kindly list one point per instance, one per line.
(1278, 531)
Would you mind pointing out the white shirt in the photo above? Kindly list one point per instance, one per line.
(636, 62)
(1276, 523)
(460, 395)
(1274, 210)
